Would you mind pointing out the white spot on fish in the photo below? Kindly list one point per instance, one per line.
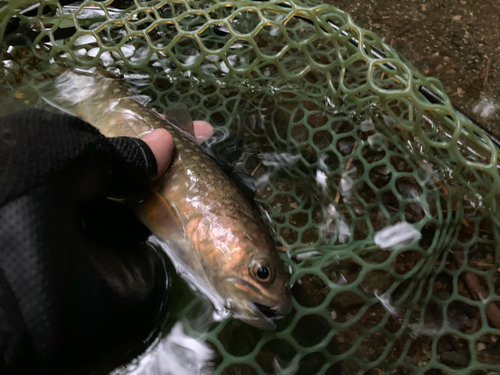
(116, 91)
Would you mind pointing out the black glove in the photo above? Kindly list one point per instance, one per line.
(77, 280)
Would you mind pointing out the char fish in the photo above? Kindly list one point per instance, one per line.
(195, 208)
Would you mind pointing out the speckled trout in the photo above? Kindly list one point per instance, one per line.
(195, 208)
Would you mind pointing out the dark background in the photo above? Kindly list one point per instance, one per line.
(456, 41)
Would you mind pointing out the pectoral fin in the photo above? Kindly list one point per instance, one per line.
(178, 115)
(157, 214)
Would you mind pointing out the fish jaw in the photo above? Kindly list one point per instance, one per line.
(259, 311)
(254, 317)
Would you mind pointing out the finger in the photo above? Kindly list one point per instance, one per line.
(161, 144)
(133, 164)
(202, 131)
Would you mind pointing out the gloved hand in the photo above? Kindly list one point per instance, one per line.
(77, 279)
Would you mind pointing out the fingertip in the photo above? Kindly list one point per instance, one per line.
(202, 131)
(161, 144)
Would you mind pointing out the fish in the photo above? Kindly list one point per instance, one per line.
(208, 225)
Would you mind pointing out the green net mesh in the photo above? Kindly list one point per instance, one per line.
(347, 153)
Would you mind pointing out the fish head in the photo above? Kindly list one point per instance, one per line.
(244, 268)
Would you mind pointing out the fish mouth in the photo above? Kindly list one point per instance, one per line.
(266, 310)
(255, 313)
(261, 316)
(264, 316)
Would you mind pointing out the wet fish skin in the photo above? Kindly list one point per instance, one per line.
(221, 238)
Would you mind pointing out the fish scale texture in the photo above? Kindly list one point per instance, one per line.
(343, 146)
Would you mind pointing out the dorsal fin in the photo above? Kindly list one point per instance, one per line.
(178, 116)
(225, 149)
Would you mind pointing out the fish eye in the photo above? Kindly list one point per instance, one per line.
(261, 272)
